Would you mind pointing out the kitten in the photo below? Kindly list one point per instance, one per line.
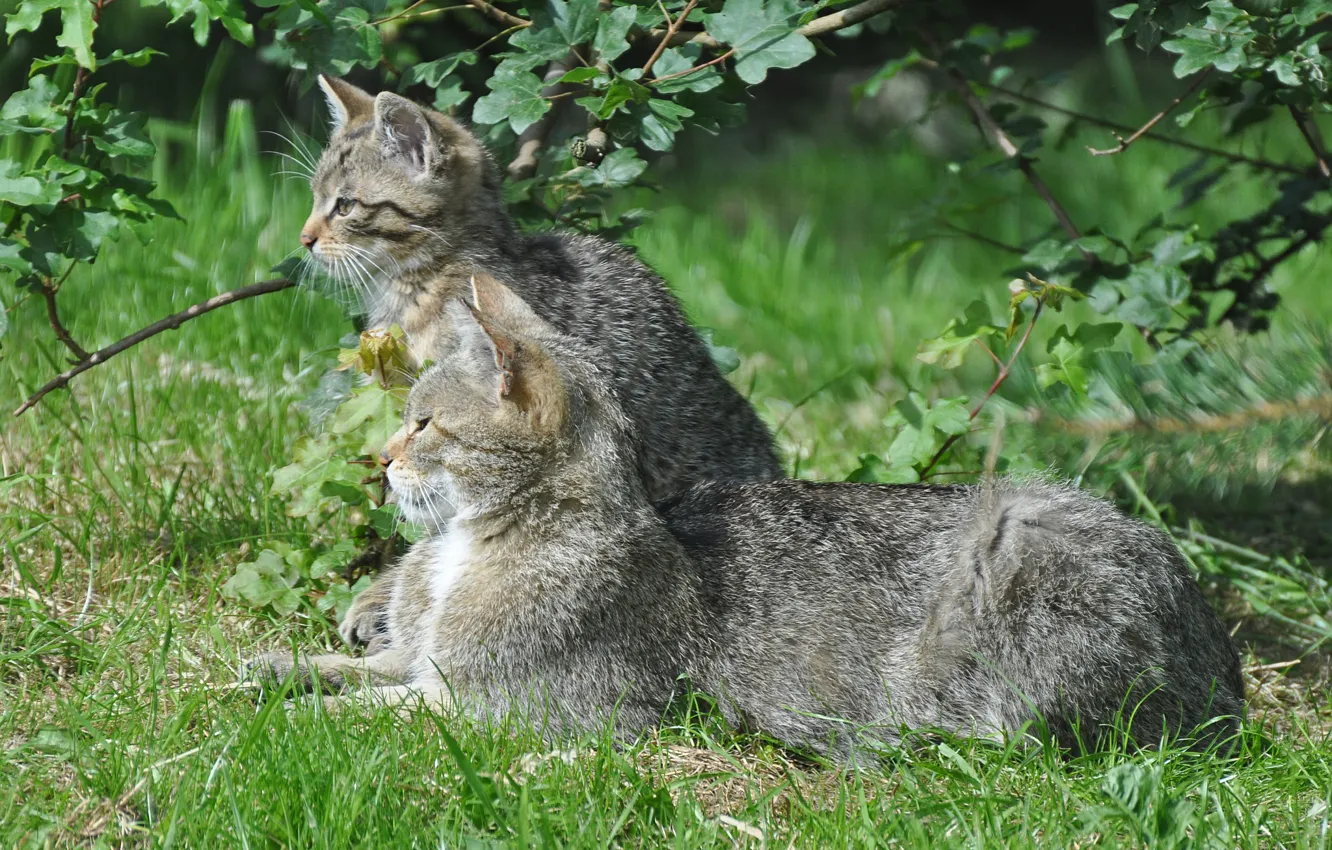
(407, 207)
(820, 614)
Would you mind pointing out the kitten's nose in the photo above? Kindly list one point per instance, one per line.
(308, 241)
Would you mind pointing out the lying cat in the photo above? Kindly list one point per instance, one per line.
(407, 208)
(820, 614)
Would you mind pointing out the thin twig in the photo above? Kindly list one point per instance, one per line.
(49, 290)
(999, 379)
(167, 324)
(671, 28)
(499, 15)
(403, 13)
(982, 238)
(1094, 120)
(1010, 150)
(1155, 119)
(1302, 120)
(813, 29)
(699, 67)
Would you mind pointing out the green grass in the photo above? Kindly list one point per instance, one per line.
(124, 505)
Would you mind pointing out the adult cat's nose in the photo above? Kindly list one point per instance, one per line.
(308, 241)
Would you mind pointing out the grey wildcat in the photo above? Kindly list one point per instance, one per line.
(407, 208)
(820, 614)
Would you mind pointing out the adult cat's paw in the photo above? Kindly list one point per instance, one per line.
(273, 670)
(366, 622)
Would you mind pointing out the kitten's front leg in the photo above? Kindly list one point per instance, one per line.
(334, 673)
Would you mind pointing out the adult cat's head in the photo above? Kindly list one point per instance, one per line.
(513, 412)
(399, 188)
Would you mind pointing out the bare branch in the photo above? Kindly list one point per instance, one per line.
(499, 15)
(671, 29)
(813, 29)
(1010, 150)
(699, 67)
(1155, 119)
(1124, 128)
(53, 316)
(1309, 130)
(167, 324)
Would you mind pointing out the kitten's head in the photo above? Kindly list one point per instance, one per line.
(393, 185)
(491, 417)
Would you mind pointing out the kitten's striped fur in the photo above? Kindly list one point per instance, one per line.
(407, 206)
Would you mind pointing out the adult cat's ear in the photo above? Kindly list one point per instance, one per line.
(497, 303)
(517, 368)
(405, 131)
(346, 103)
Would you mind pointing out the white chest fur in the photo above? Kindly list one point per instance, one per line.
(452, 552)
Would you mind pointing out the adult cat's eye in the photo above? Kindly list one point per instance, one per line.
(344, 206)
(419, 425)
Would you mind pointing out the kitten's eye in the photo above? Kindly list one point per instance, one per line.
(344, 206)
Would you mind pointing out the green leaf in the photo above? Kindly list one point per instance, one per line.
(620, 168)
(76, 31)
(1196, 54)
(580, 75)
(540, 44)
(726, 358)
(949, 348)
(515, 97)
(949, 416)
(123, 134)
(433, 73)
(28, 16)
(613, 33)
(763, 35)
(677, 60)
(662, 122)
(25, 190)
(33, 107)
(4, 316)
(577, 20)
(265, 581)
(11, 257)
(873, 470)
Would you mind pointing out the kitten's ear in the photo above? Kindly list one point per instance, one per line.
(518, 369)
(346, 103)
(405, 131)
(497, 303)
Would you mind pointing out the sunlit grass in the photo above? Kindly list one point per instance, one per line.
(124, 505)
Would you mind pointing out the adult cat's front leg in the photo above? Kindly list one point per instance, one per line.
(332, 673)
(366, 621)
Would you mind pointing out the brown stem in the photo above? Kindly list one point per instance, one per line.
(533, 139)
(1124, 128)
(1010, 150)
(813, 29)
(61, 332)
(983, 239)
(169, 323)
(671, 28)
(499, 15)
(699, 67)
(1155, 119)
(1310, 133)
(999, 379)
